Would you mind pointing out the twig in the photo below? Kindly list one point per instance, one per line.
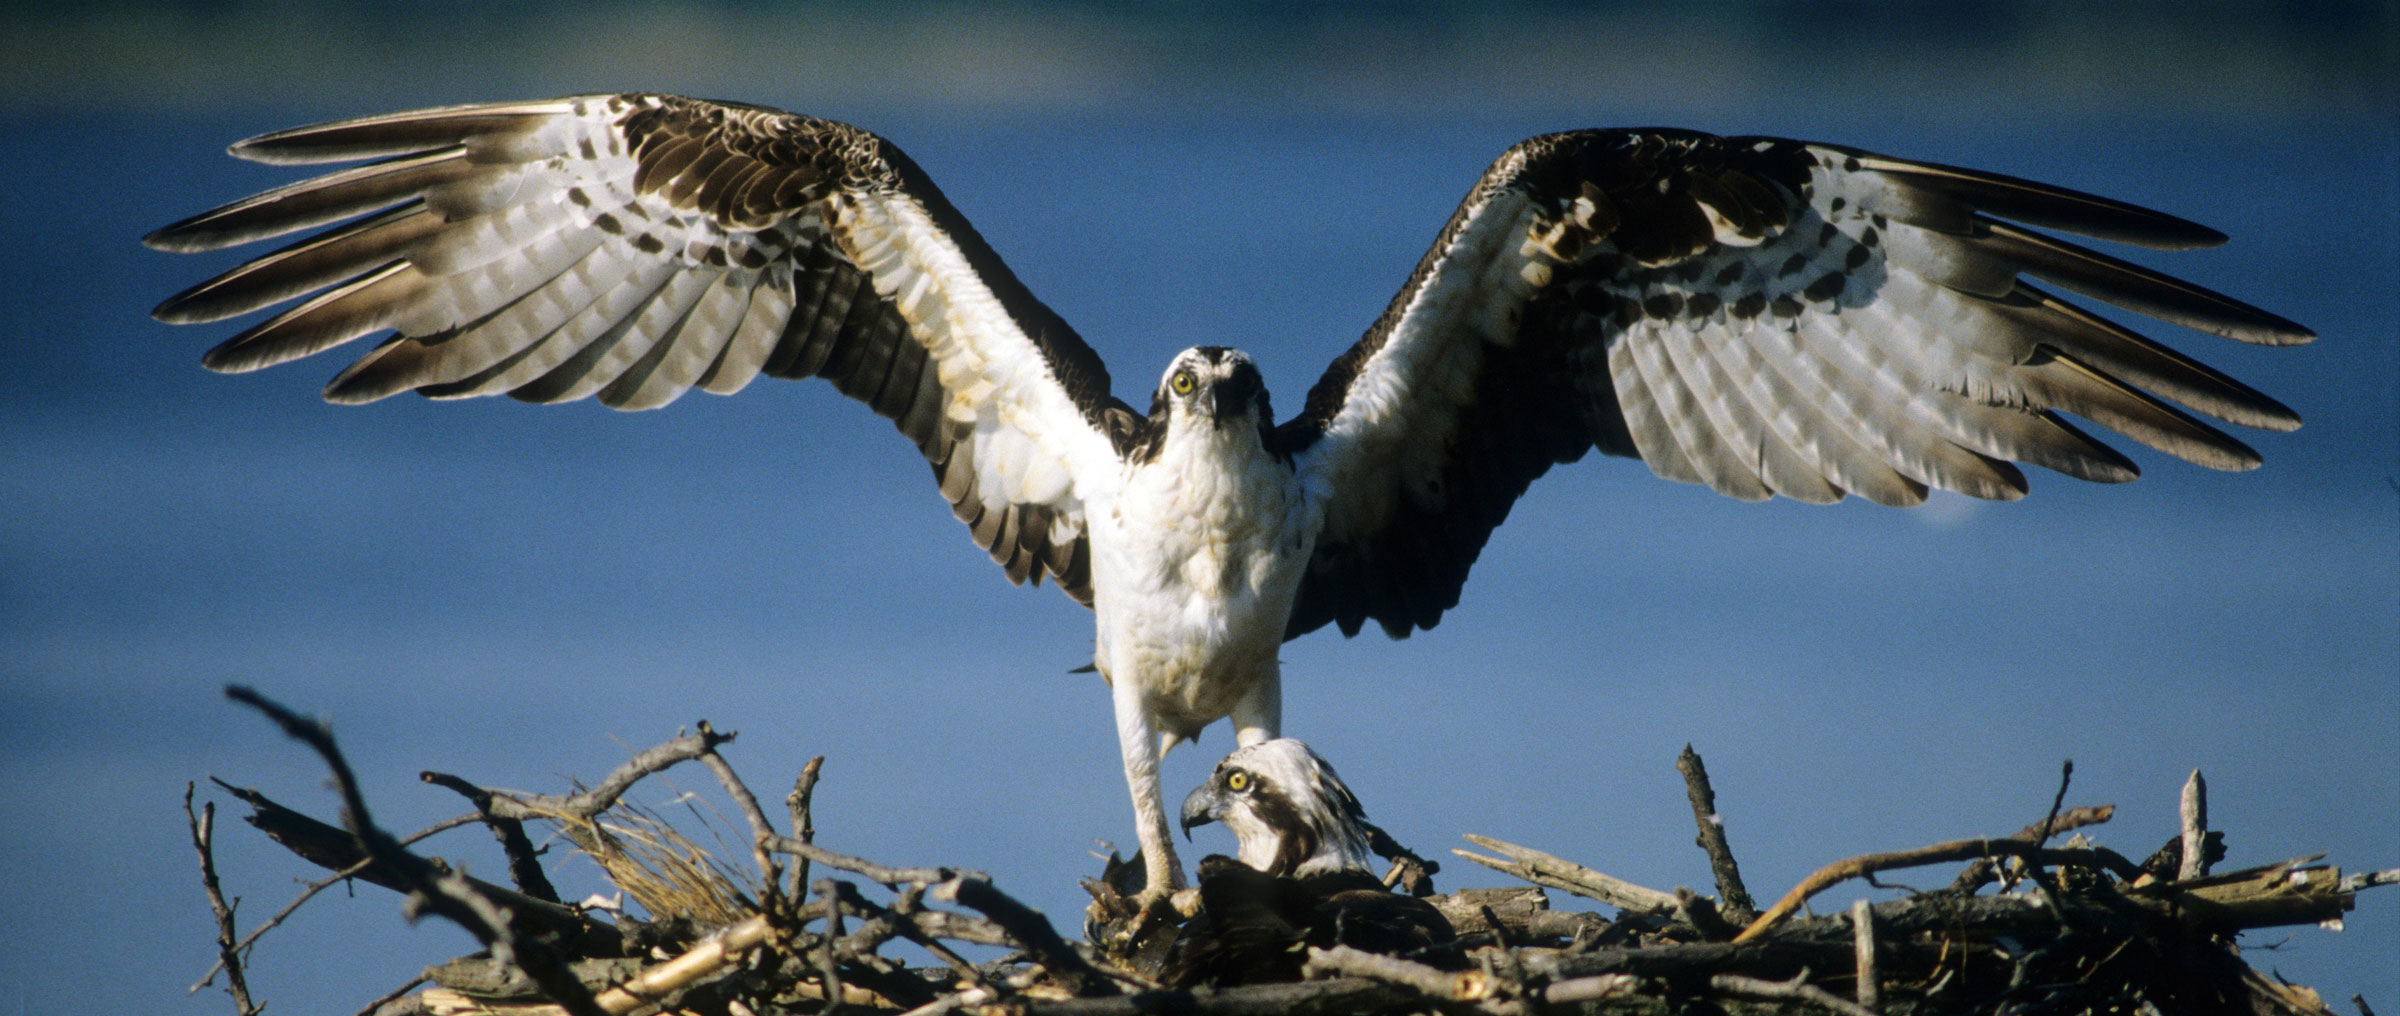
(1979, 873)
(708, 957)
(2049, 828)
(2033, 864)
(1796, 988)
(1597, 988)
(318, 738)
(1862, 930)
(1344, 961)
(1558, 873)
(445, 894)
(883, 874)
(962, 928)
(952, 1002)
(309, 891)
(524, 862)
(1954, 850)
(1412, 874)
(1027, 928)
(1683, 961)
(800, 803)
(604, 795)
(2368, 879)
(390, 996)
(895, 983)
(705, 958)
(1730, 890)
(337, 849)
(770, 879)
(1032, 931)
(1337, 995)
(905, 914)
(828, 964)
(204, 824)
(2193, 809)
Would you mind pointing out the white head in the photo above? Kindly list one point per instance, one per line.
(1212, 387)
(1287, 809)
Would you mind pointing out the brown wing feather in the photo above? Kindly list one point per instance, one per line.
(1759, 315)
(632, 247)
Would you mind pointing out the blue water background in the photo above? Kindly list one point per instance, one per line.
(525, 595)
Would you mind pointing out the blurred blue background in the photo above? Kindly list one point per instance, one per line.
(523, 596)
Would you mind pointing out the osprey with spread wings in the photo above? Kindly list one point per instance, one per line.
(1760, 315)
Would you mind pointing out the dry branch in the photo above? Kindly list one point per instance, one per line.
(1980, 873)
(1735, 897)
(2100, 936)
(1559, 873)
(1862, 929)
(804, 826)
(2193, 810)
(1955, 850)
(430, 888)
(1795, 988)
(339, 851)
(229, 955)
(605, 794)
(524, 862)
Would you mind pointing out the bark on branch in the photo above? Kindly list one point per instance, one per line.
(2100, 935)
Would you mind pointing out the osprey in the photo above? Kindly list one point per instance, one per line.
(1289, 812)
(1304, 876)
(1760, 315)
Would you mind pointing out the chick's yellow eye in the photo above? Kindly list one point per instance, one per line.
(1238, 781)
(1183, 386)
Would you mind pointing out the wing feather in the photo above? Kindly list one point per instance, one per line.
(1675, 408)
(446, 358)
(1853, 453)
(304, 267)
(1759, 315)
(1791, 429)
(634, 247)
(762, 328)
(673, 366)
(317, 202)
(1733, 458)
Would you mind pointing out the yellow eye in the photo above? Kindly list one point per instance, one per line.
(1183, 386)
(1238, 781)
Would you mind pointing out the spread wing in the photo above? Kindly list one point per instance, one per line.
(635, 247)
(1760, 315)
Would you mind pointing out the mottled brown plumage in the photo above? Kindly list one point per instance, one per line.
(1303, 878)
(1256, 928)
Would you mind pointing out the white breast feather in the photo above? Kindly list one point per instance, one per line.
(1196, 560)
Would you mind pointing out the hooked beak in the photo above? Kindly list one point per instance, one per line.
(1201, 808)
(1230, 396)
(1227, 403)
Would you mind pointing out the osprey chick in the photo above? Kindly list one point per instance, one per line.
(1304, 878)
(1760, 315)
(1289, 812)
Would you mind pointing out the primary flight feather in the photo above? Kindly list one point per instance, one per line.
(1764, 316)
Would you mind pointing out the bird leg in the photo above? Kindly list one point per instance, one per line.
(1258, 714)
(1137, 739)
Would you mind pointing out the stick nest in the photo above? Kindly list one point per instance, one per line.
(2027, 927)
